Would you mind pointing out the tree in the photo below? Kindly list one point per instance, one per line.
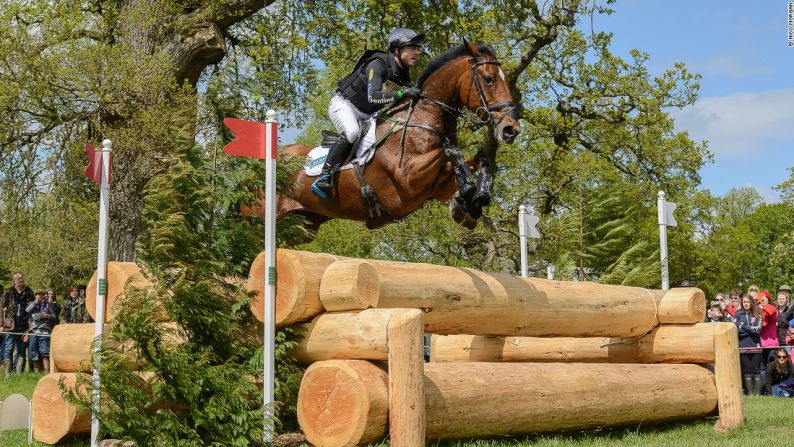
(739, 203)
(82, 71)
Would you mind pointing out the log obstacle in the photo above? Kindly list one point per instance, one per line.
(55, 419)
(118, 273)
(358, 417)
(464, 400)
(70, 346)
(666, 344)
(467, 301)
(728, 376)
(297, 285)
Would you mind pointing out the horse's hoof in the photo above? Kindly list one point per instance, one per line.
(469, 222)
(457, 210)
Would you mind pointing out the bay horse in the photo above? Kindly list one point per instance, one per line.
(420, 160)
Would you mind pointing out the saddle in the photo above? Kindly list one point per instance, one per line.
(357, 160)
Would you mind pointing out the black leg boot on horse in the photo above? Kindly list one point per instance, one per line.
(337, 155)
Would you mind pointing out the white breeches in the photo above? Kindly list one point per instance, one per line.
(347, 119)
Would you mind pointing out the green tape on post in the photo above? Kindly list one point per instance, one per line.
(102, 286)
(271, 276)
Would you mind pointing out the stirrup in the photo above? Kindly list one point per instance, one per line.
(317, 190)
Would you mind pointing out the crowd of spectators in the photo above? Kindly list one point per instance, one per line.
(766, 336)
(26, 322)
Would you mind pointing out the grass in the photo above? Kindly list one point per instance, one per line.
(770, 421)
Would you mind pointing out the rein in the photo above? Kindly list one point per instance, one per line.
(456, 113)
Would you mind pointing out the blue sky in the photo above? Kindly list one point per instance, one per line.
(746, 105)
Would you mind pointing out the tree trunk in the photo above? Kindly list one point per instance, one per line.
(191, 40)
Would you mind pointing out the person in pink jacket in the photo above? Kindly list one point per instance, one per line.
(769, 338)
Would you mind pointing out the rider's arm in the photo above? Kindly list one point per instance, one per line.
(376, 75)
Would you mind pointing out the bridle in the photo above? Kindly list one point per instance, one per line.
(485, 108)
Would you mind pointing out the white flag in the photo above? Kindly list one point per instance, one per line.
(666, 215)
(530, 226)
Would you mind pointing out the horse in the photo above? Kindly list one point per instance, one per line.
(419, 160)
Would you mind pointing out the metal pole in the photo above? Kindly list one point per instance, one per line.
(663, 240)
(522, 238)
(271, 152)
(102, 285)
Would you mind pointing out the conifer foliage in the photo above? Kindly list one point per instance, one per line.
(197, 351)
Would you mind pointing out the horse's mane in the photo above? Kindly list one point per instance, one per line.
(448, 56)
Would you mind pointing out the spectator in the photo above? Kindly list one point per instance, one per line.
(13, 302)
(769, 317)
(68, 306)
(55, 307)
(735, 301)
(748, 323)
(753, 292)
(79, 311)
(41, 318)
(780, 373)
(715, 314)
(786, 313)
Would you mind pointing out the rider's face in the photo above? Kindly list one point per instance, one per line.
(409, 55)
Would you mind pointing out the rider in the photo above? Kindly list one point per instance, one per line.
(360, 95)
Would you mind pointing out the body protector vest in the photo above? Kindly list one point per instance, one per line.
(354, 85)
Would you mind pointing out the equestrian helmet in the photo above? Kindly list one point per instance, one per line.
(401, 37)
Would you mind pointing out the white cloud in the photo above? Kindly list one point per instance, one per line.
(738, 125)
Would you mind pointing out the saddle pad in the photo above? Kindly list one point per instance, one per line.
(364, 153)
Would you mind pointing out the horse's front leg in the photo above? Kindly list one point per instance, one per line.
(463, 177)
(482, 196)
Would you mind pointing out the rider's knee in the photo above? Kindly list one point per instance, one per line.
(351, 133)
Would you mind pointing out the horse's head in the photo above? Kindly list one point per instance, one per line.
(486, 91)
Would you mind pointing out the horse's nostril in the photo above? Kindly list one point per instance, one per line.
(510, 131)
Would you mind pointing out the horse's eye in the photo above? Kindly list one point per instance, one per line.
(489, 79)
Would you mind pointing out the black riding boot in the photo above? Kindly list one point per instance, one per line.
(337, 155)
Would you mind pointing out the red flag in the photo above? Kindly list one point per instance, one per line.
(94, 168)
(249, 138)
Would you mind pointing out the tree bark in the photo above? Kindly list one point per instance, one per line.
(191, 40)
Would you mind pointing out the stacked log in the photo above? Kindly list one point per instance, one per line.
(467, 301)
(118, 274)
(71, 346)
(669, 343)
(297, 285)
(54, 418)
(464, 400)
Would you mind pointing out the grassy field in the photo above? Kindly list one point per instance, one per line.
(770, 421)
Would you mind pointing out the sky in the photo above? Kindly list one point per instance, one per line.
(746, 104)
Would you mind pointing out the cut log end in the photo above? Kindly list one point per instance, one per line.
(682, 305)
(349, 285)
(343, 403)
(118, 273)
(54, 418)
(298, 277)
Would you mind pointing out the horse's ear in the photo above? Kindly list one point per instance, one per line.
(473, 49)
